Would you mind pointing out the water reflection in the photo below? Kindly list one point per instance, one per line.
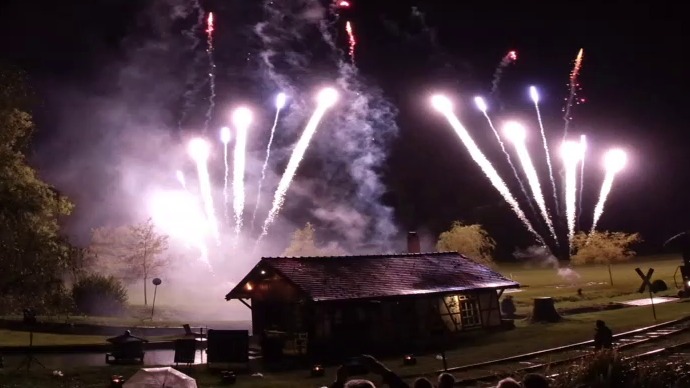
(69, 360)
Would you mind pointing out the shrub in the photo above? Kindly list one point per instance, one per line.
(659, 285)
(99, 295)
(608, 369)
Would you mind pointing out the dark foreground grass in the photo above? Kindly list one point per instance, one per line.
(476, 347)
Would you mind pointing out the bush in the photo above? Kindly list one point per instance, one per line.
(99, 295)
(659, 285)
(609, 370)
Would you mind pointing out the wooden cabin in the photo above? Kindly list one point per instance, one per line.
(363, 303)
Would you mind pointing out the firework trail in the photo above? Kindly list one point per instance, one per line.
(516, 133)
(509, 58)
(571, 156)
(280, 103)
(583, 147)
(481, 105)
(225, 139)
(199, 150)
(444, 106)
(242, 118)
(614, 160)
(326, 99)
(534, 94)
(211, 70)
(352, 41)
(574, 85)
(180, 178)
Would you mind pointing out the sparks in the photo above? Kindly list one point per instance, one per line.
(507, 59)
(571, 153)
(614, 161)
(352, 40)
(325, 100)
(241, 119)
(481, 105)
(445, 107)
(534, 94)
(211, 71)
(516, 134)
(225, 139)
(281, 98)
(574, 86)
(209, 24)
(583, 149)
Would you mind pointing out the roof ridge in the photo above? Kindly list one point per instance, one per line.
(379, 255)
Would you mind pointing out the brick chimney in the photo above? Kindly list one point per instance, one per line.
(413, 245)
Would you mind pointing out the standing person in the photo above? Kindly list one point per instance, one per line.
(603, 336)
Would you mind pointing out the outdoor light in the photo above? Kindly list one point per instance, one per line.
(688, 283)
(249, 287)
(228, 377)
(409, 360)
(263, 272)
(116, 381)
(317, 371)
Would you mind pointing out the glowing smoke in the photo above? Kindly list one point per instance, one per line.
(180, 178)
(445, 106)
(199, 151)
(178, 215)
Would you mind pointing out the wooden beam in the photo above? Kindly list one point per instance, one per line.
(245, 303)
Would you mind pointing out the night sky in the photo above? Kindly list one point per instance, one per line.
(634, 80)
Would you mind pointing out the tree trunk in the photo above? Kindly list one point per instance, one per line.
(610, 276)
(145, 300)
(544, 310)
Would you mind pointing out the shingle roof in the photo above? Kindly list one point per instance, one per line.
(355, 277)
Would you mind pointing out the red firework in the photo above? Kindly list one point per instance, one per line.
(209, 24)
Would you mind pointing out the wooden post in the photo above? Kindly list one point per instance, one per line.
(544, 310)
(651, 298)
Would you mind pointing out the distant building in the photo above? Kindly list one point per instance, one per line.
(362, 303)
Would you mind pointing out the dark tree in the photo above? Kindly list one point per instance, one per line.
(31, 252)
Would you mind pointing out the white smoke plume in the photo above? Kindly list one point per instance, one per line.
(543, 257)
(351, 144)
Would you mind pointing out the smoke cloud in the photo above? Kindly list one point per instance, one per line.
(121, 139)
(350, 147)
(542, 256)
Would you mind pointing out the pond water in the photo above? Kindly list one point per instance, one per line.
(58, 361)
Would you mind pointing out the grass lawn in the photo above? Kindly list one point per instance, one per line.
(476, 346)
(593, 280)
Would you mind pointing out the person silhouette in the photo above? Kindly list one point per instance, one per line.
(603, 336)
